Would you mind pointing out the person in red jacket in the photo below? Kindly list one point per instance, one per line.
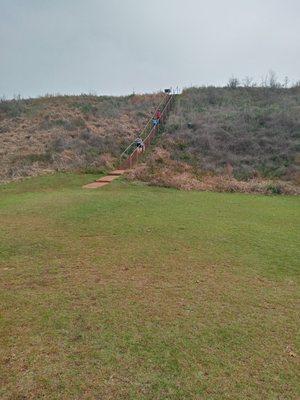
(158, 114)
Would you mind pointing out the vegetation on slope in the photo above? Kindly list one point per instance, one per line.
(225, 139)
(68, 133)
(133, 292)
(161, 170)
(244, 132)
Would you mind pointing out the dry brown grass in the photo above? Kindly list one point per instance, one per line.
(161, 170)
(256, 129)
(67, 133)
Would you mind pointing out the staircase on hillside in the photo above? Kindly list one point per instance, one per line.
(130, 156)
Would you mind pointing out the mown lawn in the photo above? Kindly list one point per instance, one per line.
(133, 292)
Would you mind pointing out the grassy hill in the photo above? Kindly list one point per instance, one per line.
(136, 292)
(246, 132)
(224, 139)
(68, 133)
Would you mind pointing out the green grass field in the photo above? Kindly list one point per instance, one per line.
(135, 292)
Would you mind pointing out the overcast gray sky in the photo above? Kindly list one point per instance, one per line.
(117, 46)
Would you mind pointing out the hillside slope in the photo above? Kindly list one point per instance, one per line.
(244, 132)
(68, 133)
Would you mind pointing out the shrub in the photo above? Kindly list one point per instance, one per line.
(43, 157)
(64, 123)
(12, 108)
(274, 188)
(256, 128)
(233, 83)
(69, 132)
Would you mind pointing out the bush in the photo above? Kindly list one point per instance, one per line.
(161, 170)
(274, 188)
(233, 83)
(43, 158)
(256, 128)
(64, 123)
(12, 108)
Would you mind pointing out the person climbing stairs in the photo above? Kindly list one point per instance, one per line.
(130, 156)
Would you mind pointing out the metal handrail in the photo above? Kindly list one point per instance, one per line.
(159, 107)
(170, 98)
(162, 106)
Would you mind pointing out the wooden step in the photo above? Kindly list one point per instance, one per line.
(117, 172)
(95, 185)
(108, 178)
(105, 180)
